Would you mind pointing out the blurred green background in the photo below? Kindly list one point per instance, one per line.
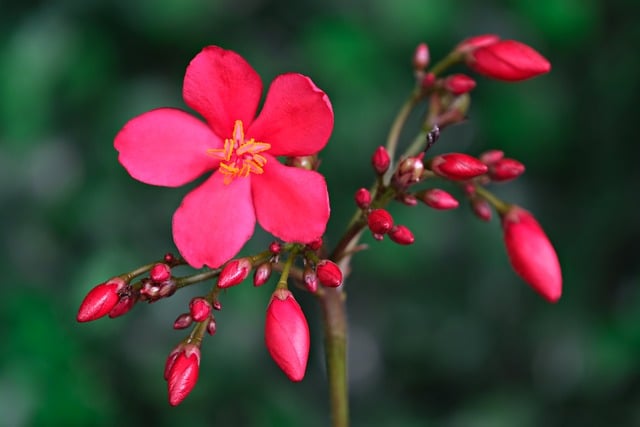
(443, 333)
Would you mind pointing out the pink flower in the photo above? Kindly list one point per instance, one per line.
(507, 60)
(169, 147)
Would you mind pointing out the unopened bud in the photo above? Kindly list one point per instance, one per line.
(211, 326)
(217, 305)
(381, 160)
(489, 157)
(363, 198)
(303, 162)
(275, 248)
(380, 221)
(507, 60)
(421, 57)
(428, 80)
(315, 244)
(505, 169)
(329, 274)
(472, 43)
(458, 166)
(200, 309)
(160, 272)
(481, 208)
(531, 254)
(183, 321)
(100, 300)
(287, 334)
(310, 279)
(123, 306)
(439, 199)
(458, 84)
(409, 171)
(401, 235)
(182, 373)
(234, 272)
(261, 274)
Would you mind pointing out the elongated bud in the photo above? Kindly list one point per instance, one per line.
(182, 373)
(381, 160)
(507, 60)
(262, 274)
(481, 208)
(363, 198)
(183, 321)
(409, 172)
(439, 199)
(458, 84)
(458, 166)
(380, 221)
(287, 334)
(160, 272)
(200, 309)
(212, 326)
(100, 300)
(310, 279)
(234, 272)
(531, 254)
(401, 235)
(421, 57)
(329, 274)
(505, 169)
(472, 43)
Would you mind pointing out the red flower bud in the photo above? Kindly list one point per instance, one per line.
(401, 235)
(100, 300)
(211, 326)
(160, 272)
(505, 170)
(508, 60)
(458, 166)
(287, 334)
(275, 248)
(380, 221)
(316, 244)
(381, 160)
(182, 372)
(458, 84)
(439, 199)
(428, 80)
(531, 254)
(363, 198)
(262, 274)
(183, 321)
(421, 57)
(472, 43)
(200, 309)
(329, 274)
(234, 272)
(124, 304)
(491, 156)
(481, 208)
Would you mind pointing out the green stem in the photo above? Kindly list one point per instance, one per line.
(501, 207)
(400, 120)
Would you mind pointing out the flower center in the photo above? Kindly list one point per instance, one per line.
(239, 158)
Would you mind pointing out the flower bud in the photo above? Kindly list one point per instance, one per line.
(315, 244)
(531, 254)
(275, 248)
(262, 274)
(211, 326)
(182, 372)
(421, 57)
(169, 258)
(124, 304)
(160, 272)
(458, 166)
(217, 305)
(380, 221)
(481, 208)
(489, 157)
(100, 300)
(381, 160)
(505, 170)
(428, 80)
(458, 84)
(329, 274)
(401, 235)
(183, 321)
(287, 334)
(472, 43)
(409, 171)
(200, 309)
(507, 60)
(439, 199)
(310, 279)
(363, 198)
(234, 272)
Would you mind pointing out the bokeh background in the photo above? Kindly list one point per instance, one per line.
(443, 333)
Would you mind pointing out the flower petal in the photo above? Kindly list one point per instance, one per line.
(296, 119)
(166, 147)
(221, 86)
(291, 203)
(214, 221)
